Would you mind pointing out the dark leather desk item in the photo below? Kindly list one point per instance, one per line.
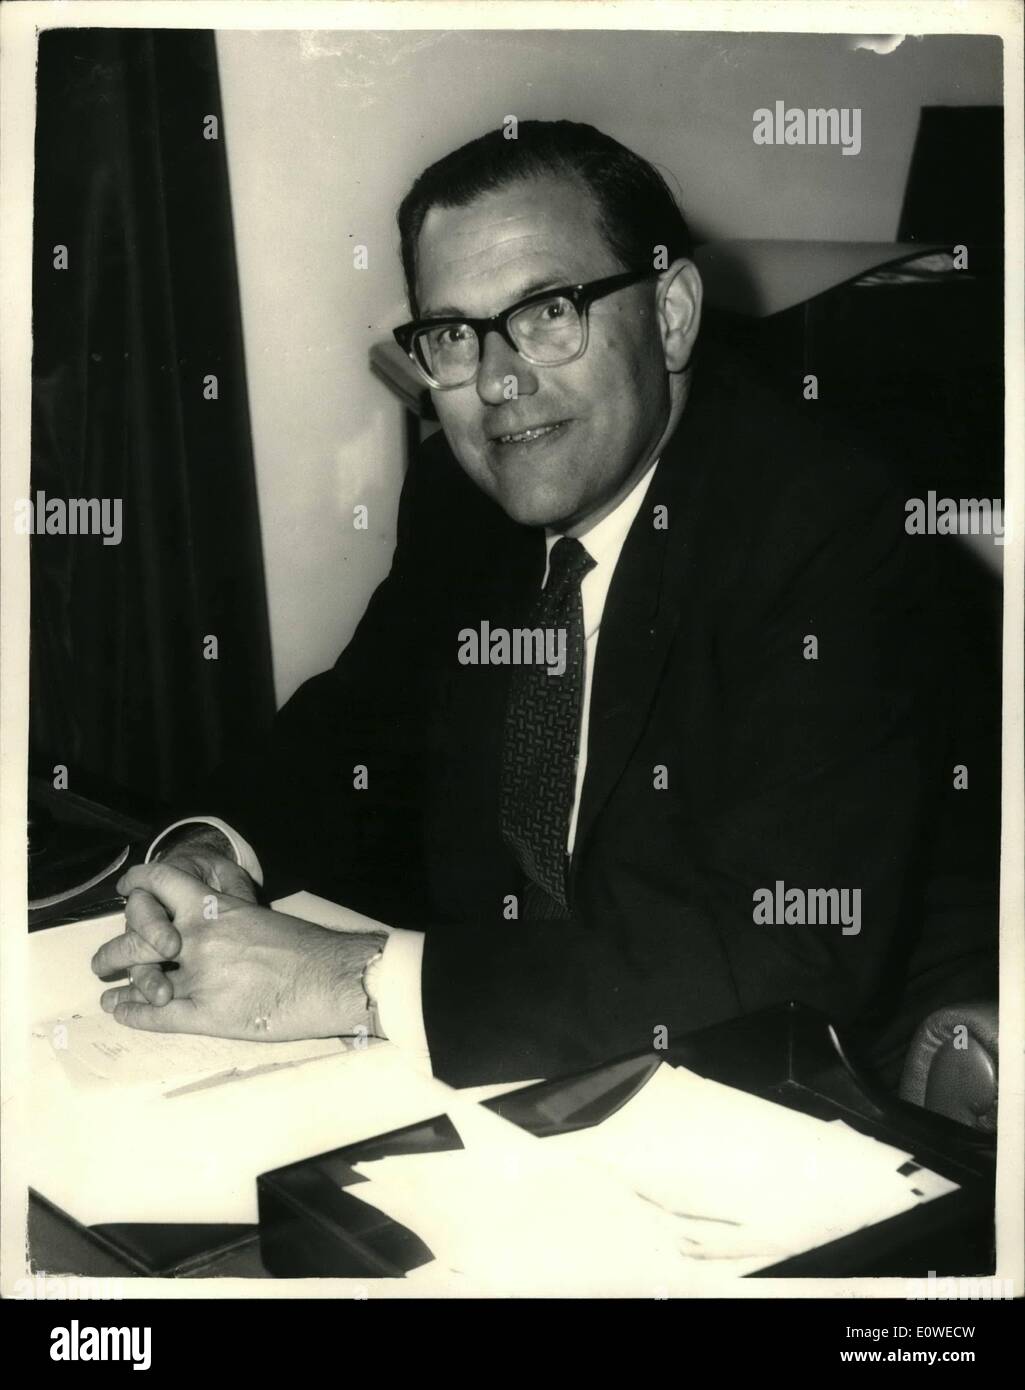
(310, 1226)
(60, 1245)
(68, 832)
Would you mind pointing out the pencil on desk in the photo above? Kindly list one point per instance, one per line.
(235, 1074)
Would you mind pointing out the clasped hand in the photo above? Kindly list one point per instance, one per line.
(209, 962)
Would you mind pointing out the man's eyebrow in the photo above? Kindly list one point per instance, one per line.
(549, 282)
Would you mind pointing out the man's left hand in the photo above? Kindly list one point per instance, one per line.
(242, 970)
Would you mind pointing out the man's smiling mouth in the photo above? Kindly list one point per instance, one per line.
(528, 436)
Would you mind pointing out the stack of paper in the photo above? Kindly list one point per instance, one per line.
(744, 1176)
(688, 1171)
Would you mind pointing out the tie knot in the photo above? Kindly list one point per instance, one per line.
(568, 563)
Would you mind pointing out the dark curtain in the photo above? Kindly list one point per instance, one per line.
(123, 339)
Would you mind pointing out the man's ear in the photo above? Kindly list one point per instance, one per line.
(678, 309)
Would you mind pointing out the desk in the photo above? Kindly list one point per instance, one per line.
(784, 1054)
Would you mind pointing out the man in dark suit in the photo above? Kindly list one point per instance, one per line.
(639, 732)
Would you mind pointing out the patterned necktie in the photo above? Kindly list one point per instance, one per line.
(542, 729)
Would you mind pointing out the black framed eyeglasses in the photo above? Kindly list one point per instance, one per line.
(548, 329)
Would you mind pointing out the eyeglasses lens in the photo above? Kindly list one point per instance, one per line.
(448, 353)
(547, 333)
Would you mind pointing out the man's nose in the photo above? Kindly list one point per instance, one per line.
(503, 374)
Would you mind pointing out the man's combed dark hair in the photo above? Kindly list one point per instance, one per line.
(636, 210)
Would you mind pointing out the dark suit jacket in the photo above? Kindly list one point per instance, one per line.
(820, 773)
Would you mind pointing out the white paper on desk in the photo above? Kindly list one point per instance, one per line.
(689, 1175)
(113, 1154)
(516, 1215)
(505, 1220)
(96, 1051)
(747, 1176)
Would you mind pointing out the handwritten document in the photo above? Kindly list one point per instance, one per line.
(95, 1050)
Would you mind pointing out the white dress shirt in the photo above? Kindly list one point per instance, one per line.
(394, 981)
(603, 542)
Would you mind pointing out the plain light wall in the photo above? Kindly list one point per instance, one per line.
(326, 131)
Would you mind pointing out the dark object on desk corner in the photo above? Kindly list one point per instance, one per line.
(310, 1226)
(66, 860)
(75, 837)
(145, 1250)
(951, 1065)
(40, 829)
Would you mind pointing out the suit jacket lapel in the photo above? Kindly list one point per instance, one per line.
(642, 613)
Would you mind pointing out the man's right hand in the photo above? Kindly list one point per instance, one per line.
(202, 852)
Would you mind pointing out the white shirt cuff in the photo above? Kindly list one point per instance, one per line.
(393, 983)
(245, 855)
